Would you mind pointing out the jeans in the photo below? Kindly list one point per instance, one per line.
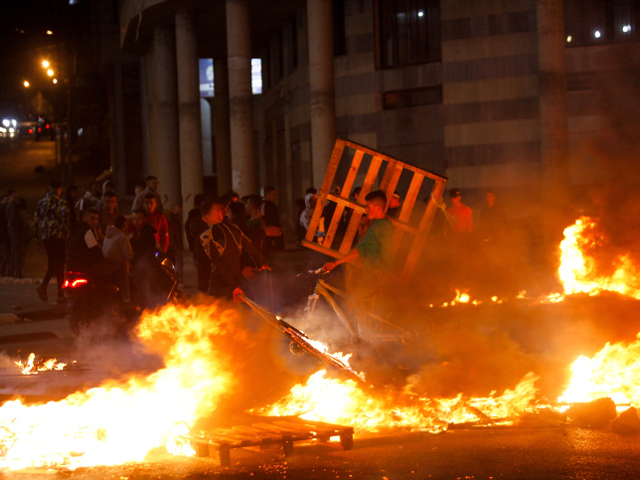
(56, 250)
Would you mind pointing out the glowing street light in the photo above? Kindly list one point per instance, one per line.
(45, 63)
(49, 32)
(55, 80)
(26, 83)
(50, 72)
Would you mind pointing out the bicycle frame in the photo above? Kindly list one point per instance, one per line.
(324, 290)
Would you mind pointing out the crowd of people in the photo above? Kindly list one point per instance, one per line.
(230, 237)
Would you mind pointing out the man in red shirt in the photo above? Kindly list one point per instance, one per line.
(460, 215)
(157, 221)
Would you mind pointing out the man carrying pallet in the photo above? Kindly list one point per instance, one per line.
(375, 250)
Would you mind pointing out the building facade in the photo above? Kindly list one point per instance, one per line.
(502, 95)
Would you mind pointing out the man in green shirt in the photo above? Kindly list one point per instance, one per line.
(375, 250)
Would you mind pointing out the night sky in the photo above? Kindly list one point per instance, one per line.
(23, 33)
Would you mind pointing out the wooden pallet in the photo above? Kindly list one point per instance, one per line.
(411, 231)
(271, 431)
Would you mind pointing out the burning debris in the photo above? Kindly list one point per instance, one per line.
(33, 366)
(205, 348)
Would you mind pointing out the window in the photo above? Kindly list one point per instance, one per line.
(207, 82)
(412, 98)
(339, 29)
(409, 32)
(596, 22)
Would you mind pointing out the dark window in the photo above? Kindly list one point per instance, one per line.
(339, 29)
(596, 22)
(413, 97)
(409, 32)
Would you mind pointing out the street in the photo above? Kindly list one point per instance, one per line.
(548, 337)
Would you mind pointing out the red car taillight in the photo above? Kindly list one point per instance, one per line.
(78, 282)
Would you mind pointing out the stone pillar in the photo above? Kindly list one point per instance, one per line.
(244, 178)
(221, 125)
(322, 86)
(553, 105)
(188, 110)
(144, 113)
(118, 162)
(164, 160)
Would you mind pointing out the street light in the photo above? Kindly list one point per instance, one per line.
(26, 84)
(55, 80)
(50, 72)
(45, 63)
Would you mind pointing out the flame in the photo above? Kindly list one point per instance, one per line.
(613, 372)
(347, 403)
(122, 420)
(578, 270)
(31, 367)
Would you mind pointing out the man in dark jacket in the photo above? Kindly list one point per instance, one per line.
(224, 243)
(271, 217)
(19, 233)
(196, 226)
(85, 255)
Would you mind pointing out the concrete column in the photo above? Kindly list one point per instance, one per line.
(164, 161)
(322, 86)
(221, 125)
(244, 178)
(118, 162)
(553, 95)
(144, 114)
(189, 109)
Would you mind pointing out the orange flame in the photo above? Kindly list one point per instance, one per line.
(345, 402)
(613, 372)
(31, 367)
(121, 421)
(578, 270)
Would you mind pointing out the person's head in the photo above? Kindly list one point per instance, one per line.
(72, 192)
(237, 213)
(139, 218)
(356, 193)
(91, 217)
(395, 200)
(376, 204)
(455, 196)
(213, 210)
(311, 200)
(232, 196)
(95, 189)
(176, 209)
(254, 202)
(151, 182)
(120, 223)
(490, 198)
(197, 200)
(270, 194)
(311, 190)
(139, 188)
(55, 187)
(110, 202)
(150, 203)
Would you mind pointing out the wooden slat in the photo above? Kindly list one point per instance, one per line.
(423, 229)
(406, 165)
(372, 174)
(390, 179)
(345, 192)
(332, 168)
(405, 211)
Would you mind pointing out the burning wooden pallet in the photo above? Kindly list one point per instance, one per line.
(279, 430)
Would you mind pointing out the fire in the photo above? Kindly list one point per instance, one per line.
(122, 420)
(579, 270)
(347, 403)
(31, 367)
(613, 372)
